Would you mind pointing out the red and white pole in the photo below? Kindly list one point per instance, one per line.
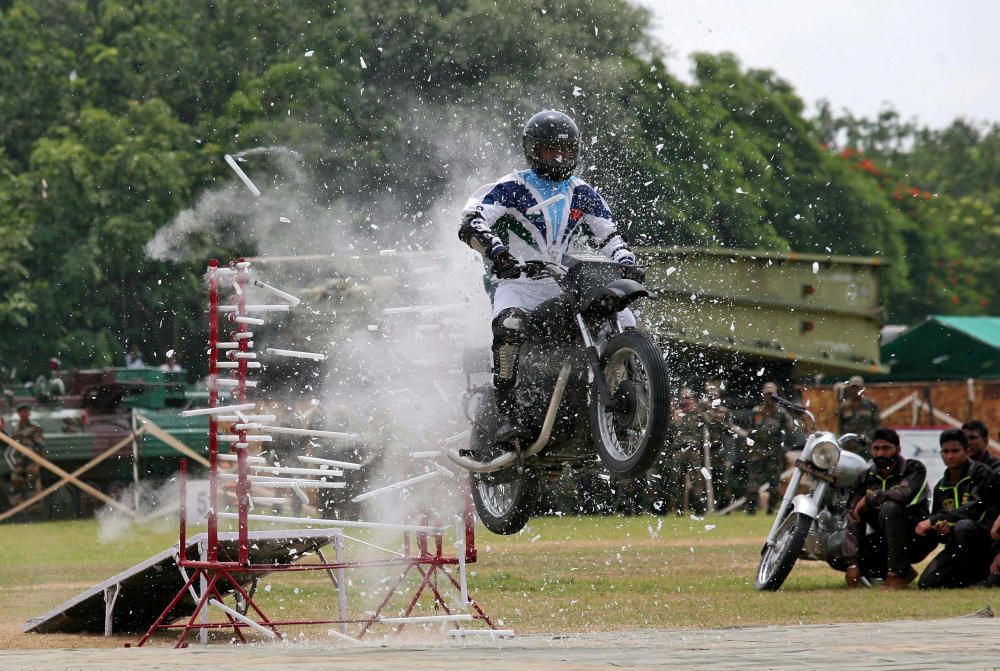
(243, 483)
(470, 522)
(213, 401)
(182, 529)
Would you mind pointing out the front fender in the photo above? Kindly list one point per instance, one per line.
(805, 505)
(619, 293)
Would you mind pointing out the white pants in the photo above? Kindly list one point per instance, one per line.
(529, 294)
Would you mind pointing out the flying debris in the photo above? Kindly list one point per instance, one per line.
(242, 175)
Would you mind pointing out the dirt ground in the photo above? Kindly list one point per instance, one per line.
(958, 643)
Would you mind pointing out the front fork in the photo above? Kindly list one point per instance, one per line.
(809, 506)
(594, 360)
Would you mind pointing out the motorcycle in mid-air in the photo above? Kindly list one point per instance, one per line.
(586, 384)
(811, 526)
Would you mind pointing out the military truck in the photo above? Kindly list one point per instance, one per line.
(98, 413)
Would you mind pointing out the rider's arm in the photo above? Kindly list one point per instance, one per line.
(478, 235)
(597, 215)
(481, 212)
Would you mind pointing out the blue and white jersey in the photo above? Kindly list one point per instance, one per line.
(538, 219)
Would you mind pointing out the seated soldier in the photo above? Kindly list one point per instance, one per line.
(963, 561)
(983, 507)
(891, 498)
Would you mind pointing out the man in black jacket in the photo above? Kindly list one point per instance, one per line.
(983, 507)
(892, 499)
(964, 560)
(978, 436)
(993, 579)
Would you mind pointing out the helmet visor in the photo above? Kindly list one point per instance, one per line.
(553, 158)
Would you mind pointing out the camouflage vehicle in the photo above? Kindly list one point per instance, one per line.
(96, 414)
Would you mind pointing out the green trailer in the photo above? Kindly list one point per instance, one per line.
(737, 312)
(99, 413)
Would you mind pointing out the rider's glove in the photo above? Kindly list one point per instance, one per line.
(505, 265)
(634, 273)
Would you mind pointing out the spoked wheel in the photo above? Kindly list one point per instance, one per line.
(504, 499)
(631, 435)
(777, 561)
(504, 507)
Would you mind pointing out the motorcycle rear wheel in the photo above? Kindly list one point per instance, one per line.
(630, 438)
(505, 499)
(777, 561)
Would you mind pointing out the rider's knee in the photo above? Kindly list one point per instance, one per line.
(508, 326)
(508, 334)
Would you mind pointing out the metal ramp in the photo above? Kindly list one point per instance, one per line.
(132, 600)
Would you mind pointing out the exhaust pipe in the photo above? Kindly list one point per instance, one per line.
(507, 460)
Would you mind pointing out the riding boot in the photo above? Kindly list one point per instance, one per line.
(507, 338)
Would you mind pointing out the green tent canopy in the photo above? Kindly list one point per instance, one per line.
(945, 348)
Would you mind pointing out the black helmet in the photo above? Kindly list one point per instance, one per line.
(552, 130)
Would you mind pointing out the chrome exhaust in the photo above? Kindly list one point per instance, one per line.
(507, 460)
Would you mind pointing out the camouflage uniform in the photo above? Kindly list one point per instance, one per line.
(765, 459)
(720, 439)
(858, 415)
(687, 460)
(25, 474)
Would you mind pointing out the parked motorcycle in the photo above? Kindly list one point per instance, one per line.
(586, 385)
(810, 526)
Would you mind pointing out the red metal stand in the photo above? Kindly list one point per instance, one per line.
(430, 563)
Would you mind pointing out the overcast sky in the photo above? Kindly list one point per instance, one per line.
(935, 60)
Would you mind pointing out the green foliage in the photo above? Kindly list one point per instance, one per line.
(946, 184)
(731, 161)
(113, 118)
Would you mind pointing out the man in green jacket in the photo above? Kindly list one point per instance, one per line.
(964, 560)
(891, 498)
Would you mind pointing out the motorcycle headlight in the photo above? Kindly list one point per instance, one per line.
(825, 455)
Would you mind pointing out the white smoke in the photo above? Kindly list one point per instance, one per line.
(394, 378)
(157, 508)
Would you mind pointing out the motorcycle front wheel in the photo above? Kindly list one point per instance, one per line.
(777, 561)
(630, 436)
(504, 507)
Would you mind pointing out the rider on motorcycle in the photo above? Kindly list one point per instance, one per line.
(536, 214)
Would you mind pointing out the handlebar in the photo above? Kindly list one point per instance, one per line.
(859, 438)
(798, 409)
(541, 269)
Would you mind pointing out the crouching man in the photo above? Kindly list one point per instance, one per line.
(890, 499)
(964, 560)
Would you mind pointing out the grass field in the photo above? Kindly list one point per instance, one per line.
(558, 575)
